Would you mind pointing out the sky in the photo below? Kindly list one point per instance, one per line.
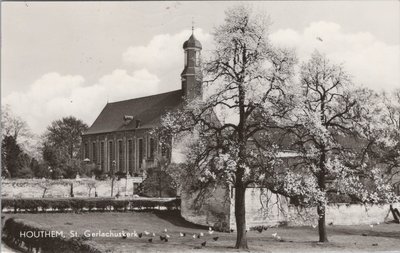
(71, 58)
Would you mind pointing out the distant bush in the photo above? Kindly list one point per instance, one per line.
(85, 204)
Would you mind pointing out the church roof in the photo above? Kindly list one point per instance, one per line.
(192, 42)
(148, 110)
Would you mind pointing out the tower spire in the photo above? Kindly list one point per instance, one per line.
(192, 25)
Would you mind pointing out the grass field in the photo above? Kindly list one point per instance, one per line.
(383, 237)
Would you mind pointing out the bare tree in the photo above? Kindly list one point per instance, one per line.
(12, 125)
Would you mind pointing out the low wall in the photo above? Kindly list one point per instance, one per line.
(261, 209)
(273, 209)
(83, 187)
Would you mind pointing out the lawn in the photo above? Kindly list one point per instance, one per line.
(382, 237)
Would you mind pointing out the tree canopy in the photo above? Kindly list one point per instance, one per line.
(302, 134)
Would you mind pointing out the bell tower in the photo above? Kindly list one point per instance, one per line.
(191, 76)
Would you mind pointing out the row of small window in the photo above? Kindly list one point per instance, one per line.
(120, 163)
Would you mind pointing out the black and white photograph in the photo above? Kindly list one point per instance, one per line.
(200, 126)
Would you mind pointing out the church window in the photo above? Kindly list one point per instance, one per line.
(120, 156)
(130, 156)
(94, 153)
(152, 148)
(102, 155)
(140, 153)
(197, 58)
(110, 154)
(164, 151)
(86, 151)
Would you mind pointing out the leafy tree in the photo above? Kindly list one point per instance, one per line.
(391, 157)
(337, 130)
(245, 75)
(11, 155)
(62, 142)
(158, 182)
(39, 169)
(65, 134)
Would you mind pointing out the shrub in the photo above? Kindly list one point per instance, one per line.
(14, 227)
(83, 204)
(158, 183)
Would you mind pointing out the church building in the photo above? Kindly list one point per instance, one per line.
(120, 138)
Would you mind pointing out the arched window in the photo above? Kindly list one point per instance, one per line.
(185, 58)
(198, 58)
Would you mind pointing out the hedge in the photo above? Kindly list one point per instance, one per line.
(85, 204)
(14, 228)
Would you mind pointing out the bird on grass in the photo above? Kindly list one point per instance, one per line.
(198, 236)
(259, 229)
(150, 240)
(182, 234)
(194, 236)
(140, 235)
(274, 234)
(166, 240)
(154, 234)
(201, 234)
(215, 238)
(146, 233)
(124, 236)
(210, 232)
(167, 236)
(232, 230)
(162, 238)
(203, 244)
(314, 226)
(165, 230)
(371, 226)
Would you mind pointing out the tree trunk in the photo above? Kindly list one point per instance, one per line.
(44, 192)
(323, 237)
(112, 186)
(395, 213)
(159, 184)
(240, 215)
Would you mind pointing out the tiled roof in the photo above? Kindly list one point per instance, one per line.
(148, 110)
